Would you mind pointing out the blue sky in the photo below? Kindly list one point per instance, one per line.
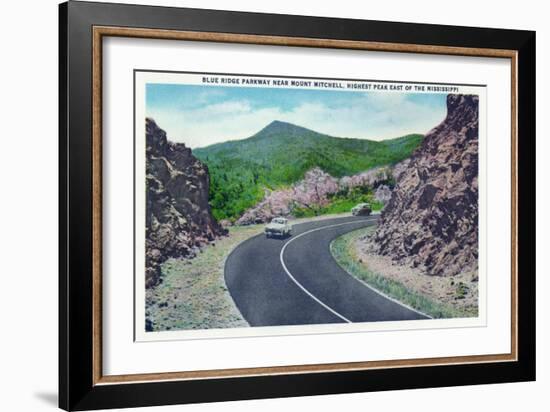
(202, 115)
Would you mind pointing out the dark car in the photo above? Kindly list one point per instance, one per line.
(362, 209)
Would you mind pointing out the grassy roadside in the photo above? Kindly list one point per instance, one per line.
(344, 251)
(193, 293)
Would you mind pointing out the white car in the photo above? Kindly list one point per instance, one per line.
(278, 227)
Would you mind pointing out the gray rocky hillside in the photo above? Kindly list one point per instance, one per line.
(431, 220)
(178, 216)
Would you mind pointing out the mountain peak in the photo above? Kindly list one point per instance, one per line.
(278, 123)
(277, 127)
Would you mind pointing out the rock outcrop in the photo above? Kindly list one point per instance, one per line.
(431, 220)
(383, 194)
(178, 217)
(313, 191)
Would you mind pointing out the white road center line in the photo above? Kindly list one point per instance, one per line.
(311, 295)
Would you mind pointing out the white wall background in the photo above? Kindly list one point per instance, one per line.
(28, 228)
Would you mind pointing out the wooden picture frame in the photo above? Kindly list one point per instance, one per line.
(82, 384)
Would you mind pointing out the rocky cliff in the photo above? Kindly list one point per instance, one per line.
(431, 220)
(178, 218)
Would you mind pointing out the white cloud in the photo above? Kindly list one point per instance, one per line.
(376, 116)
(231, 108)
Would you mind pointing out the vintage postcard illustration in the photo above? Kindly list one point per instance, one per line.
(277, 202)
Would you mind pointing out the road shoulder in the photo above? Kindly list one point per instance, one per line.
(435, 296)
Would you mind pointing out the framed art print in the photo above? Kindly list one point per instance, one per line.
(259, 205)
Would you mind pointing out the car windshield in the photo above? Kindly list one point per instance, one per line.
(279, 221)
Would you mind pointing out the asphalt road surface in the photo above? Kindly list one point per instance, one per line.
(296, 281)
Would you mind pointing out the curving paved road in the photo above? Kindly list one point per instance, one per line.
(296, 281)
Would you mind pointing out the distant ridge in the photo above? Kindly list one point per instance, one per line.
(280, 154)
